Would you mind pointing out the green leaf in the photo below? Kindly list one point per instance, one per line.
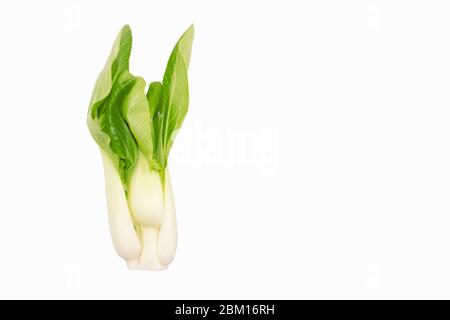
(119, 118)
(137, 115)
(120, 52)
(122, 143)
(175, 91)
(184, 45)
(154, 98)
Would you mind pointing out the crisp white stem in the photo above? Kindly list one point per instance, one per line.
(124, 237)
(150, 208)
(149, 256)
(133, 264)
(146, 194)
(167, 244)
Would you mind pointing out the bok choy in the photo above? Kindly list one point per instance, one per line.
(135, 130)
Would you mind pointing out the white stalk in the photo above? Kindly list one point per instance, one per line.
(146, 196)
(153, 209)
(149, 259)
(124, 237)
(168, 231)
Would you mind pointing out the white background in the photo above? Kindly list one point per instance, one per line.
(314, 161)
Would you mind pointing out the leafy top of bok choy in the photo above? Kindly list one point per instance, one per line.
(127, 122)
